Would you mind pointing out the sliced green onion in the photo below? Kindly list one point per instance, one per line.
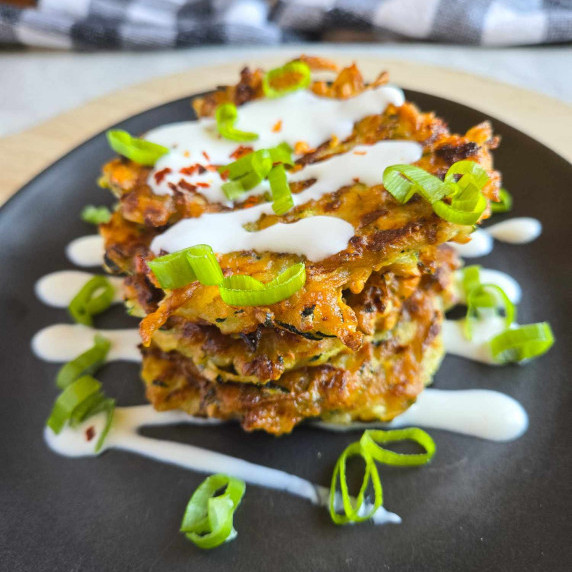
(93, 298)
(282, 200)
(466, 202)
(226, 115)
(246, 291)
(138, 150)
(248, 172)
(371, 438)
(199, 263)
(86, 363)
(522, 343)
(204, 264)
(403, 181)
(281, 154)
(107, 405)
(80, 400)
(354, 510)
(471, 278)
(208, 518)
(70, 400)
(505, 203)
(95, 215)
(173, 270)
(300, 69)
(487, 297)
(470, 171)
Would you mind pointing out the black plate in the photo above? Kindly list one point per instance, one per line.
(478, 506)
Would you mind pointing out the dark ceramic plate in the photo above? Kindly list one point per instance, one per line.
(478, 506)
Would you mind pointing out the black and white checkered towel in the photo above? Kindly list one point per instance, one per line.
(136, 24)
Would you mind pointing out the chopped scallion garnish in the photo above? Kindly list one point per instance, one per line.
(138, 150)
(96, 215)
(505, 203)
(488, 298)
(199, 263)
(79, 401)
(282, 200)
(358, 509)
(208, 518)
(93, 298)
(226, 115)
(86, 363)
(458, 201)
(286, 79)
(522, 343)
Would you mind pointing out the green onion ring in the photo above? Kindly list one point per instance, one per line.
(471, 278)
(248, 293)
(300, 68)
(489, 296)
(371, 438)
(138, 150)
(96, 215)
(522, 343)
(86, 363)
(93, 298)
(172, 270)
(226, 115)
(72, 397)
(352, 509)
(505, 203)
(205, 265)
(282, 200)
(208, 519)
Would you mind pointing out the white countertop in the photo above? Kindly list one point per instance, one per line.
(36, 85)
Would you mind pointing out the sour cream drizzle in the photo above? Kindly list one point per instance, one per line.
(298, 117)
(123, 435)
(520, 230)
(86, 251)
(59, 288)
(315, 237)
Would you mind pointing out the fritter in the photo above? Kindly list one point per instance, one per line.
(387, 235)
(377, 382)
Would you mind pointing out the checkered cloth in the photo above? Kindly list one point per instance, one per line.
(138, 24)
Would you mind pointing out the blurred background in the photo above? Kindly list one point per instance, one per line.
(57, 54)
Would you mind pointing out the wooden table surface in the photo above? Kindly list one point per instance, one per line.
(26, 154)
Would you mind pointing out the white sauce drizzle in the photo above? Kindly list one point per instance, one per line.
(59, 288)
(476, 412)
(86, 250)
(490, 276)
(315, 237)
(123, 435)
(516, 230)
(476, 349)
(64, 342)
(304, 117)
(520, 230)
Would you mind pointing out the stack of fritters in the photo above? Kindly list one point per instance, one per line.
(359, 341)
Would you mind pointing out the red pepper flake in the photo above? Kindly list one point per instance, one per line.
(203, 185)
(90, 433)
(187, 186)
(241, 151)
(277, 127)
(160, 175)
(211, 168)
(356, 179)
(224, 175)
(206, 156)
(360, 152)
(189, 170)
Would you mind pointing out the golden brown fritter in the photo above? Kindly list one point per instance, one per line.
(386, 233)
(265, 354)
(377, 382)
